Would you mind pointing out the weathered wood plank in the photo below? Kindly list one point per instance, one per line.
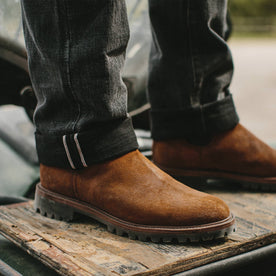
(86, 248)
(59, 236)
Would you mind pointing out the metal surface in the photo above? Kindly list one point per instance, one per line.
(6, 270)
(11, 33)
(17, 131)
(16, 175)
(6, 200)
(254, 263)
(10, 21)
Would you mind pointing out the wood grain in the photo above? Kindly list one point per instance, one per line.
(86, 248)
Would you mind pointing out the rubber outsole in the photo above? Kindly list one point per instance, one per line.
(59, 207)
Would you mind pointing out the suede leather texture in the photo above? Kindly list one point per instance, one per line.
(133, 189)
(237, 151)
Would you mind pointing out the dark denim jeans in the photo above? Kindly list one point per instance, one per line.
(76, 52)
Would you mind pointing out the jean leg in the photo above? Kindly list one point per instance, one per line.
(190, 69)
(76, 52)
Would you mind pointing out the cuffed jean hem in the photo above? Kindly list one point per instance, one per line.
(197, 123)
(78, 150)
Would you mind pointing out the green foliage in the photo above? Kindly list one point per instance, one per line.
(253, 8)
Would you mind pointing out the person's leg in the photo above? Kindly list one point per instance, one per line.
(194, 121)
(76, 52)
(190, 70)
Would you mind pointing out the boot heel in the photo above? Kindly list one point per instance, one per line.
(52, 209)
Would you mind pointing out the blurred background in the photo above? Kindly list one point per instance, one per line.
(253, 17)
(253, 45)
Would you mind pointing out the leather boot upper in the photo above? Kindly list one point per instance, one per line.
(237, 151)
(133, 189)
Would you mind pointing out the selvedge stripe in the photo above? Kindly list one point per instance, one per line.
(67, 152)
(79, 150)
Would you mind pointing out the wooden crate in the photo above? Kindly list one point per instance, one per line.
(86, 248)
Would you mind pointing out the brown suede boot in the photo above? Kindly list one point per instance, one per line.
(235, 155)
(132, 196)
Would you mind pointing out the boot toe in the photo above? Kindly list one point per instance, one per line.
(215, 209)
(204, 209)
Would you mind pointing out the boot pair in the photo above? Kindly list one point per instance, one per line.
(133, 197)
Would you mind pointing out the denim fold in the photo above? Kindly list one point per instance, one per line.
(196, 124)
(79, 150)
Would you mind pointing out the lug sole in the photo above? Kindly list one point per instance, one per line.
(59, 207)
(199, 178)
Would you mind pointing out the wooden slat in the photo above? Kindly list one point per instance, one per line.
(86, 248)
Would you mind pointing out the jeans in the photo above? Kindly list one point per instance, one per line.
(76, 53)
